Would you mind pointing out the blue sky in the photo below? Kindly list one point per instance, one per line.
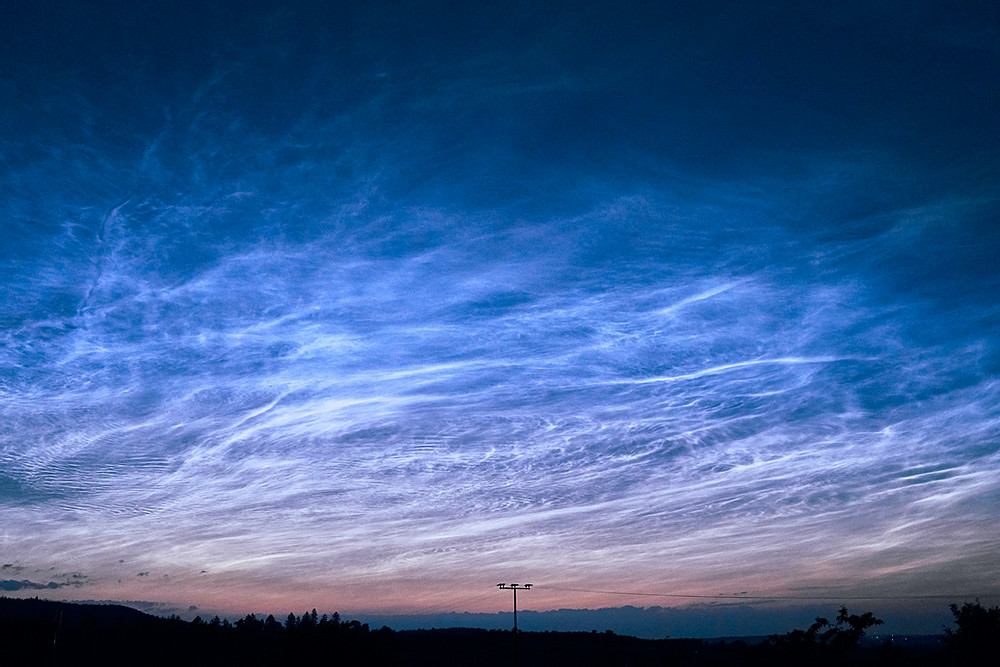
(367, 309)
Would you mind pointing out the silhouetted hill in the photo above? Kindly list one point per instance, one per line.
(101, 615)
(42, 632)
(465, 646)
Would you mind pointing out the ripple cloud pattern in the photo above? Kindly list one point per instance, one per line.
(318, 306)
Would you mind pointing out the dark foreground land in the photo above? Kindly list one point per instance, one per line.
(41, 632)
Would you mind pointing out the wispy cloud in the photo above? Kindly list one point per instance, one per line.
(359, 321)
(76, 580)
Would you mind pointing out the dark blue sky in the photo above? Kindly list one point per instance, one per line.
(312, 305)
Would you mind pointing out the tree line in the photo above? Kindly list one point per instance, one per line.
(42, 632)
(308, 623)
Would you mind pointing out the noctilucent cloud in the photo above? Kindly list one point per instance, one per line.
(372, 307)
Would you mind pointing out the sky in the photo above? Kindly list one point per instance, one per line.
(370, 306)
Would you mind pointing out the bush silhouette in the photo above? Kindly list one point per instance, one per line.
(824, 638)
(977, 629)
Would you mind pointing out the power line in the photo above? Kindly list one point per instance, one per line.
(515, 588)
(772, 597)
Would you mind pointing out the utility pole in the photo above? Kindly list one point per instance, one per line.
(515, 588)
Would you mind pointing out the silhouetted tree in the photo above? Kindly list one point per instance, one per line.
(271, 624)
(851, 628)
(250, 624)
(977, 628)
(842, 636)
